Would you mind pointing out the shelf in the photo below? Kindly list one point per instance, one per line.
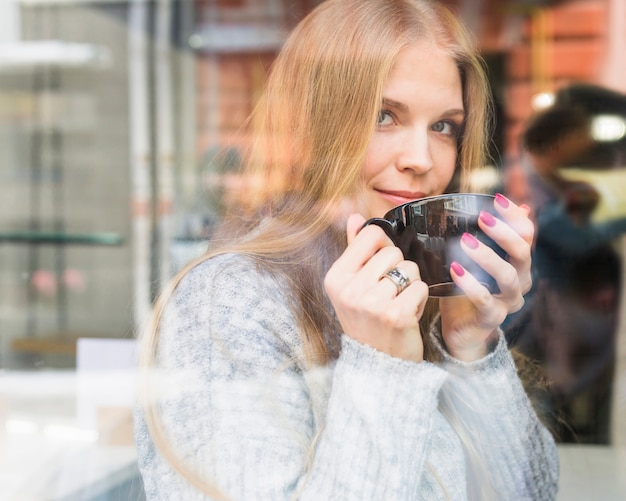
(51, 237)
(32, 54)
(57, 345)
(237, 38)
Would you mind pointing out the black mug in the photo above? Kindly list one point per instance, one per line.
(428, 231)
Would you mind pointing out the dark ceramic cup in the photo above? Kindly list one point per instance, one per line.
(429, 230)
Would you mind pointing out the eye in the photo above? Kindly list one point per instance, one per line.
(385, 118)
(447, 128)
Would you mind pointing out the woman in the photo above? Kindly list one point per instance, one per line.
(281, 365)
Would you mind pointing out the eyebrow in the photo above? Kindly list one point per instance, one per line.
(404, 108)
(454, 112)
(395, 104)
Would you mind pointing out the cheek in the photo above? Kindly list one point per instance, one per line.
(374, 164)
(446, 163)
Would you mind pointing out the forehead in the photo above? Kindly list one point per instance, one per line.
(425, 67)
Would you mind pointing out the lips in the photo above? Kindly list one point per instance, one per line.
(401, 197)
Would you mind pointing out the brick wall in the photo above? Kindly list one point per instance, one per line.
(556, 46)
(228, 83)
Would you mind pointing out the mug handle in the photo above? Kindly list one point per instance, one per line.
(389, 227)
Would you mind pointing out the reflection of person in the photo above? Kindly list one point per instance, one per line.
(570, 323)
(302, 360)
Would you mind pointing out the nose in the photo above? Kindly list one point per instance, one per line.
(415, 154)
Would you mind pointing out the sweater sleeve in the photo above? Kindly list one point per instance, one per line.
(379, 427)
(520, 453)
(243, 413)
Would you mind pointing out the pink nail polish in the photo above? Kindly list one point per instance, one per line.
(470, 241)
(502, 201)
(487, 218)
(457, 269)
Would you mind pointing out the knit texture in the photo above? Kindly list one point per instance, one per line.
(244, 411)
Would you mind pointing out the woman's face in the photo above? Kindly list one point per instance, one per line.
(413, 151)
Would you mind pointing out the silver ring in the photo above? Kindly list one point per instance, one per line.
(400, 279)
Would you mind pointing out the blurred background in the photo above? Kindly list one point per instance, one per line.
(119, 131)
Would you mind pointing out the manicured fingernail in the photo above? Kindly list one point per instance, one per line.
(470, 241)
(458, 270)
(487, 218)
(502, 201)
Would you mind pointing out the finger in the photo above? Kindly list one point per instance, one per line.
(388, 284)
(505, 273)
(526, 209)
(492, 312)
(517, 246)
(414, 298)
(405, 309)
(354, 224)
(382, 261)
(517, 217)
(514, 244)
(408, 307)
(365, 244)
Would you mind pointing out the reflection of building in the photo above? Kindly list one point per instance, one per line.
(235, 42)
(457, 216)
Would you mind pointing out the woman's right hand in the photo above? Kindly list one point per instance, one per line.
(369, 307)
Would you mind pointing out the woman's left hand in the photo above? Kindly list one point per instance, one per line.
(469, 322)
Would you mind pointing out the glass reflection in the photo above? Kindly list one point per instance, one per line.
(576, 149)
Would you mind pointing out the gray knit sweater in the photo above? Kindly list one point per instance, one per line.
(242, 409)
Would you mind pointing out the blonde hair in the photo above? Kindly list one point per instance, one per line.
(310, 132)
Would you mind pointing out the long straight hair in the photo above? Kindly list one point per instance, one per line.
(310, 133)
